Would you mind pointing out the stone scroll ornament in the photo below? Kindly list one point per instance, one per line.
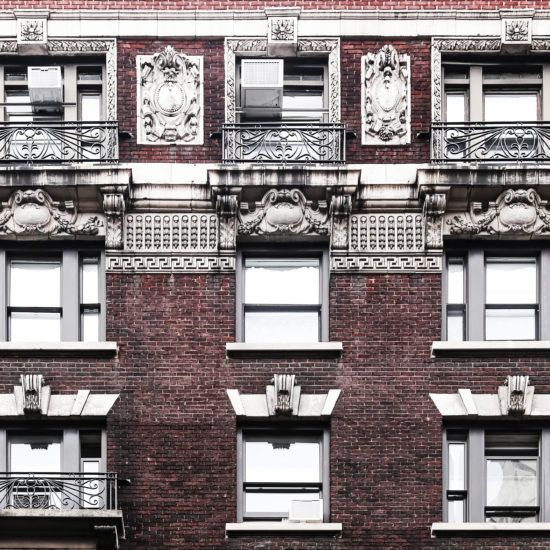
(386, 98)
(33, 212)
(516, 211)
(284, 211)
(170, 98)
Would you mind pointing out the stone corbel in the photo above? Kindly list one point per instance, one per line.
(32, 393)
(516, 396)
(283, 395)
(433, 211)
(340, 210)
(114, 206)
(516, 32)
(226, 207)
(282, 31)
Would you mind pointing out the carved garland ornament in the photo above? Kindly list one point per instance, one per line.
(284, 211)
(516, 211)
(386, 97)
(170, 91)
(33, 212)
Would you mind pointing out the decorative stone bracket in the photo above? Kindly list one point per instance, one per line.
(515, 212)
(433, 211)
(516, 396)
(114, 207)
(283, 395)
(226, 207)
(33, 212)
(340, 211)
(170, 98)
(32, 28)
(516, 34)
(32, 392)
(385, 98)
(282, 35)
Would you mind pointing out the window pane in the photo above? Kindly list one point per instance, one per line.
(38, 455)
(455, 326)
(35, 327)
(281, 326)
(455, 511)
(521, 518)
(90, 325)
(90, 107)
(18, 112)
(282, 461)
(455, 281)
(510, 107)
(282, 281)
(512, 482)
(90, 280)
(90, 444)
(510, 324)
(35, 283)
(277, 503)
(511, 281)
(456, 107)
(456, 467)
(302, 104)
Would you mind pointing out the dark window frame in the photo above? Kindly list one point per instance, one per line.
(282, 430)
(287, 251)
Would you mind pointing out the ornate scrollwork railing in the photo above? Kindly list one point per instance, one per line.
(273, 142)
(54, 491)
(59, 141)
(491, 141)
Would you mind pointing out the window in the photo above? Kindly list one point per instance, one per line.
(283, 298)
(81, 92)
(283, 472)
(494, 92)
(52, 297)
(65, 468)
(495, 475)
(299, 97)
(494, 295)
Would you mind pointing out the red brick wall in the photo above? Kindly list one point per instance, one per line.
(214, 94)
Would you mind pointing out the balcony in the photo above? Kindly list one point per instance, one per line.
(45, 142)
(491, 142)
(50, 505)
(290, 143)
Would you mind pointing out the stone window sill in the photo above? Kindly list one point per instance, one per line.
(281, 527)
(464, 529)
(300, 349)
(80, 349)
(492, 347)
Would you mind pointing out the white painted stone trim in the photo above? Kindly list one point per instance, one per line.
(487, 528)
(70, 348)
(452, 349)
(279, 526)
(236, 349)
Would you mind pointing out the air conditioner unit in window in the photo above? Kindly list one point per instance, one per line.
(310, 511)
(262, 88)
(45, 86)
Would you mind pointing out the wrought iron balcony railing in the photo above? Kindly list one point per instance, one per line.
(55, 491)
(284, 143)
(491, 141)
(59, 141)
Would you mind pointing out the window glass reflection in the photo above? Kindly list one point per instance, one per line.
(511, 281)
(282, 326)
(511, 107)
(35, 283)
(34, 326)
(512, 482)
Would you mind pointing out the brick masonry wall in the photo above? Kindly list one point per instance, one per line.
(173, 430)
(212, 50)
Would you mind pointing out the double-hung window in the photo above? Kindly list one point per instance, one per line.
(282, 298)
(283, 474)
(53, 296)
(495, 294)
(495, 475)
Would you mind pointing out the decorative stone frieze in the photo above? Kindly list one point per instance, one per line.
(385, 98)
(32, 392)
(519, 212)
(33, 212)
(305, 46)
(170, 98)
(433, 211)
(340, 210)
(284, 211)
(172, 263)
(227, 206)
(387, 263)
